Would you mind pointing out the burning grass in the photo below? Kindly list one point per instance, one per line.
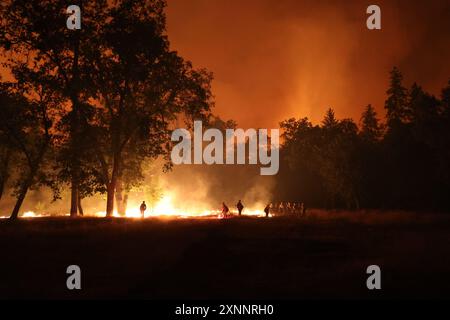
(165, 207)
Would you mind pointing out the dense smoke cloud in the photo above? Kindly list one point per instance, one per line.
(276, 59)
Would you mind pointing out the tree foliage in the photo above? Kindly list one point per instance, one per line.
(116, 84)
(402, 164)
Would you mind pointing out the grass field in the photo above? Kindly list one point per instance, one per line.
(322, 255)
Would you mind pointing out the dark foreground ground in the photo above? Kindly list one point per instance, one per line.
(324, 255)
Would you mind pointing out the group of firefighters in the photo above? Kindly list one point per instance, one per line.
(296, 208)
(277, 207)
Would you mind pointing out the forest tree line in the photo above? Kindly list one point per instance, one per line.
(87, 109)
(402, 162)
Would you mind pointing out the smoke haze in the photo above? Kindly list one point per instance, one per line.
(275, 59)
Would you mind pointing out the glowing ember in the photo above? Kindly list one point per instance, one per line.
(31, 214)
(165, 207)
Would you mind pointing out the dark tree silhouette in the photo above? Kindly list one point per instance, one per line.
(26, 121)
(118, 83)
(7, 145)
(329, 120)
(371, 129)
(397, 110)
(142, 86)
(337, 165)
(34, 34)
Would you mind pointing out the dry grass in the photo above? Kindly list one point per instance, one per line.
(322, 255)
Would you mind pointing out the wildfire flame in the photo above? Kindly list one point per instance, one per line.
(164, 208)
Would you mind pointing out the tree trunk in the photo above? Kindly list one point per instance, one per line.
(74, 198)
(75, 125)
(121, 210)
(22, 194)
(111, 187)
(125, 202)
(80, 208)
(28, 182)
(2, 186)
(4, 172)
(121, 201)
(20, 199)
(110, 199)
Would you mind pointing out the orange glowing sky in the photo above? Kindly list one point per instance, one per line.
(274, 59)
